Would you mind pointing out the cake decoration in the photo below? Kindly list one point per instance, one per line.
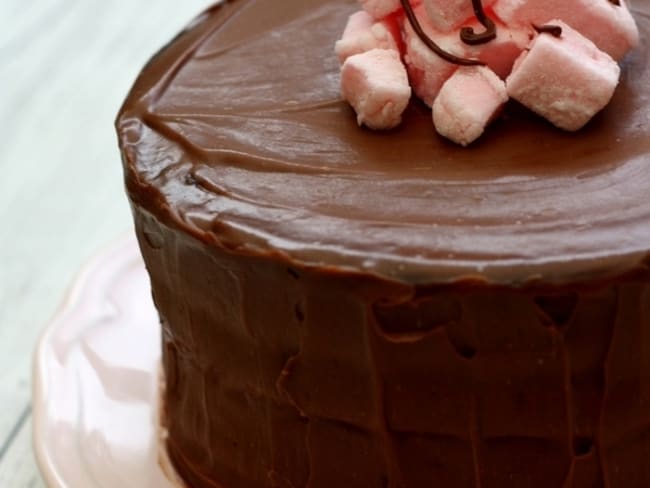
(363, 33)
(468, 35)
(449, 15)
(554, 30)
(375, 83)
(430, 43)
(611, 27)
(467, 102)
(570, 96)
(425, 33)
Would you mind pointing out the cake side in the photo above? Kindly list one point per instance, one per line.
(282, 376)
(283, 165)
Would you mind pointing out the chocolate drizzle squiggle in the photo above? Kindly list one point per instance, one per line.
(447, 56)
(554, 30)
(467, 34)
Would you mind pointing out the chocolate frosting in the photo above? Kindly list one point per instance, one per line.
(350, 308)
(241, 118)
(287, 377)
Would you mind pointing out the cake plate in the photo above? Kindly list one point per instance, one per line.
(96, 381)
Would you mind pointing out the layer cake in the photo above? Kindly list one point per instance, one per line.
(342, 307)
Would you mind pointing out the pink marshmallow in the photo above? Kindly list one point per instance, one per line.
(447, 15)
(362, 33)
(567, 80)
(467, 103)
(500, 53)
(611, 27)
(379, 9)
(428, 71)
(375, 83)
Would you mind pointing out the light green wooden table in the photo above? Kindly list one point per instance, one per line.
(65, 66)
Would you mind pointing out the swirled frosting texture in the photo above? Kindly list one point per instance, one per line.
(238, 129)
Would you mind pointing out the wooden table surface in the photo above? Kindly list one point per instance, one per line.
(65, 67)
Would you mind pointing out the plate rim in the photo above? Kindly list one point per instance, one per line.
(124, 249)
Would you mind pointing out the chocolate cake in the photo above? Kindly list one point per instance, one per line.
(349, 308)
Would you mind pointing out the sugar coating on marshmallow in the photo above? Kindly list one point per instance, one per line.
(611, 27)
(379, 9)
(427, 71)
(467, 103)
(567, 80)
(363, 33)
(500, 53)
(375, 83)
(447, 15)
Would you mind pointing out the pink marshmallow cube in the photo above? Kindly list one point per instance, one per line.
(448, 15)
(375, 83)
(467, 103)
(363, 33)
(379, 9)
(567, 80)
(611, 27)
(500, 53)
(428, 71)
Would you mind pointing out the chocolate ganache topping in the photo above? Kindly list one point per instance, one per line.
(241, 118)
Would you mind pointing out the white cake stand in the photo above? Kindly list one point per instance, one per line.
(96, 381)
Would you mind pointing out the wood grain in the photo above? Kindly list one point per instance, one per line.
(18, 467)
(65, 67)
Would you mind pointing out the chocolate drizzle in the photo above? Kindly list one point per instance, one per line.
(447, 56)
(554, 30)
(467, 34)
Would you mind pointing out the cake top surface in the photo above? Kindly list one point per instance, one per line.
(237, 133)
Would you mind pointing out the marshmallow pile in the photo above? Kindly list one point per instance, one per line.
(556, 57)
